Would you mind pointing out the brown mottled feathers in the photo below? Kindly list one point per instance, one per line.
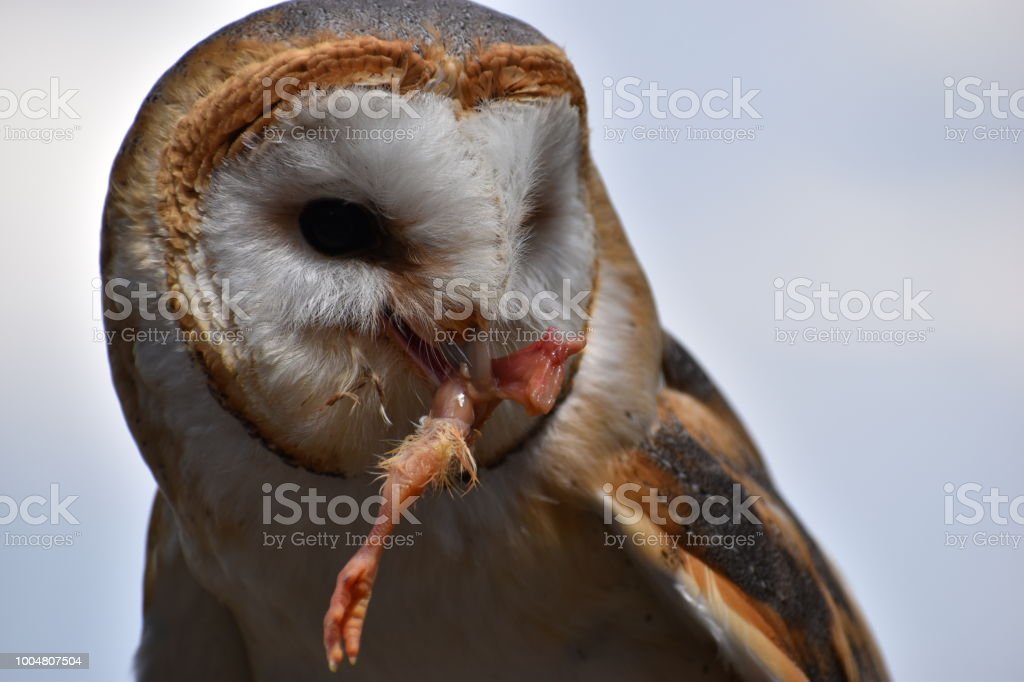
(775, 606)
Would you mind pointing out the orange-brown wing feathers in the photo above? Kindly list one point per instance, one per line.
(756, 580)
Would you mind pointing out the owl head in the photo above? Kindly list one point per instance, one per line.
(342, 201)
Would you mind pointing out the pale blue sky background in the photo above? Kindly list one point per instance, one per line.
(849, 180)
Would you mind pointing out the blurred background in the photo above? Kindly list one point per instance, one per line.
(853, 175)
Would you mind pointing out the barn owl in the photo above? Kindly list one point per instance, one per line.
(313, 237)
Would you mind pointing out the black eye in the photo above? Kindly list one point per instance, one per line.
(336, 227)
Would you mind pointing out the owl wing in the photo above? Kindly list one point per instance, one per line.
(187, 633)
(756, 581)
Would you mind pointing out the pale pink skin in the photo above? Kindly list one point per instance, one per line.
(532, 376)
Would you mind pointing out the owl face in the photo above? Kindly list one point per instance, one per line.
(376, 230)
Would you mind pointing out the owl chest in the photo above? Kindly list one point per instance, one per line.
(492, 584)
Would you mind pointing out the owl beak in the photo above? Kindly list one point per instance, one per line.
(427, 356)
(434, 360)
(532, 376)
(478, 353)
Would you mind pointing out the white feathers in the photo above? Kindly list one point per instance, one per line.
(534, 150)
(427, 183)
(492, 198)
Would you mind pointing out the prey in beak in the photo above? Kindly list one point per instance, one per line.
(464, 399)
